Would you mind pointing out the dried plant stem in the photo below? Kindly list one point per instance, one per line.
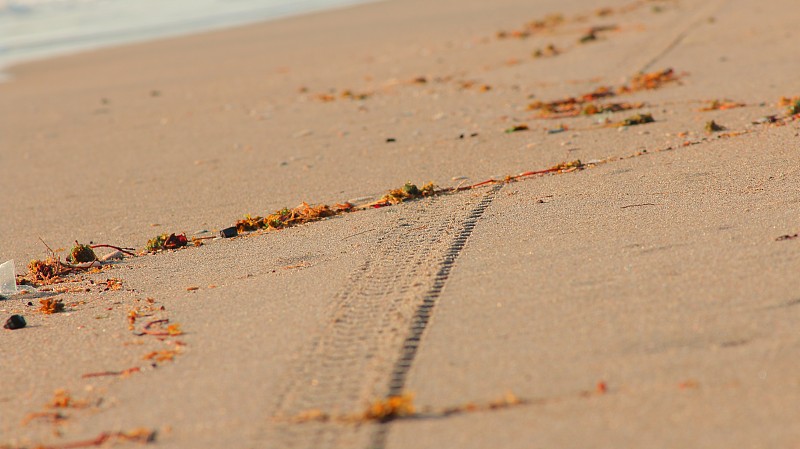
(123, 250)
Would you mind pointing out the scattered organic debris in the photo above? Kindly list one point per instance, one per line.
(649, 81)
(407, 192)
(600, 108)
(156, 243)
(547, 52)
(51, 305)
(721, 105)
(638, 205)
(15, 322)
(81, 253)
(600, 389)
(548, 23)
(570, 104)
(793, 104)
(165, 355)
(175, 241)
(767, 120)
(171, 330)
(303, 213)
(573, 106)
(638, 119)
(166, 241)
(592, 33)
(713, 127)
(469, 84)
(62, 399)
(402, 407)
(53, 417)
(564, 167)
(284, 218)
(344, 94)
(113, 284)
(47, 271)
(561, 128)
(517, 128)
(355, 96)
(125, 372)
(132, 316)
(508, 400)
(390, 408)
(588, 37)
(787, 237)
(140, 435)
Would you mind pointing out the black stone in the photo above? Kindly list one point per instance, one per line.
(228, 232)
(15, 322)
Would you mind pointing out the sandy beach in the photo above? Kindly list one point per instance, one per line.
(627, 276)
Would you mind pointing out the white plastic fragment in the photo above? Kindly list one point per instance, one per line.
(8, 281)
(94, 264)
(112, 256)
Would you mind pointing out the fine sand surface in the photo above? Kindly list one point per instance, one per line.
(647, 299)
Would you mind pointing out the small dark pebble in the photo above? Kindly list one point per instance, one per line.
(391, 139)
(30, 303)
(15, 322)
(228, 232)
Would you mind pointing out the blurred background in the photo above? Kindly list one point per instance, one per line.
(34, 29)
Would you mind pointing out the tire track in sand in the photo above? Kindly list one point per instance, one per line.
(377, 323)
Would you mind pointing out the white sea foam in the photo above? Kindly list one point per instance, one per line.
(35, 29)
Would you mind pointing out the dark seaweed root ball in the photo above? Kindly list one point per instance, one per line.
(15, 322)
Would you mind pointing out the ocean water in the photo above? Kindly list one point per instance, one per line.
(36, 29)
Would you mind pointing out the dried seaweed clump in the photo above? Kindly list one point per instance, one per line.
(638, 119)
(548, 23)
(81, 253)
(46, 271)
(390, 408)
(250, 223)
(567, 166)
(165, 241)
(284, 218)
(546, 52)
(712, 127)
(165, 355)
(722, 105)
(592, 108)
(304, 213)
(572, 106)
(50, 306)
(516, 128)
(794, 106)
(156, 243)
(650, 81)
(407, 192)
